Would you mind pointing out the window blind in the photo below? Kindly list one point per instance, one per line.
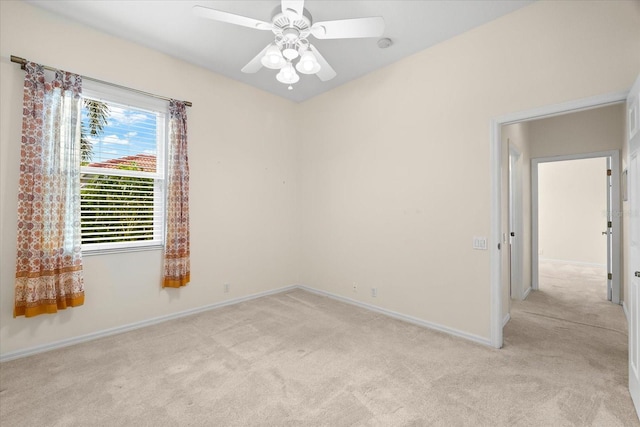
(122, 172)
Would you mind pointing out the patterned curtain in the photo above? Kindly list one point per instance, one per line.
(177, 267)
(49, 260)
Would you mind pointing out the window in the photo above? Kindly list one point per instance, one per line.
(122, 171)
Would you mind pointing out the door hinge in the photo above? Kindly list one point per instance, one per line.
(609, 224)
(609, 276)
(608, 172)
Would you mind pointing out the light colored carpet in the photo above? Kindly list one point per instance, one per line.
(301, 359)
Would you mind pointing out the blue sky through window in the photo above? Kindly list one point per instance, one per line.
(129, 132)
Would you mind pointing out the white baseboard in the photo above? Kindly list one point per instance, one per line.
(571, 262)
(136, 325)
(624, 308)
(506, 319)
(526, 293)
(403, 317)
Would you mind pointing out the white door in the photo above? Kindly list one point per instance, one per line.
(633, 187)
(515, 222)
(609, 233)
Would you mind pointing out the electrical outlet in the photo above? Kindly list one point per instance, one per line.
(374, 292)
(226, 288)
(355, 287)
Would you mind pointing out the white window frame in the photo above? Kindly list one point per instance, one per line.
(116, 95)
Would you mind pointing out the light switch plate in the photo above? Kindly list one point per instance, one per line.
(480, 243)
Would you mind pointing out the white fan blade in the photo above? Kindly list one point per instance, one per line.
(296, 6)
(349, 28)
(326, 72)
(218, 15)
(255, 64)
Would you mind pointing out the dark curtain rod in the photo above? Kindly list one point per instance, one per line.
(23, 62)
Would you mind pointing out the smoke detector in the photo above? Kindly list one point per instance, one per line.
(384, 43)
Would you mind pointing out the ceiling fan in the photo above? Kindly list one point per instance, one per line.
(292, 25)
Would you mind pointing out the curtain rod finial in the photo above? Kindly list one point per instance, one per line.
(19, 60)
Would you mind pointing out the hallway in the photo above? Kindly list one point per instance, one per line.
(577, 346)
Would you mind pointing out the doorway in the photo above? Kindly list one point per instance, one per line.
(575, 206)
(499, 159)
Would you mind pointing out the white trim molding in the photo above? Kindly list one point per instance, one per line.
(571, 262)
(137, 325)
(400, 316)
(526, 293)
(495, 234)
(506, 319)
(624, 308)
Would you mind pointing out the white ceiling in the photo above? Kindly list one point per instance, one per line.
(172, 28)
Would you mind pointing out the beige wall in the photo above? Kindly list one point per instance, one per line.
(244, 215)
(396, 166)
(387, 188)
(590, 131)
(572, 205)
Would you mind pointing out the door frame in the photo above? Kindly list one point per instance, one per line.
(495, 238)
(614, 216)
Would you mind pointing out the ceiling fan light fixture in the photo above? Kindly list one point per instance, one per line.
(308, 63)
(292, 24)
(273, 58)
(288, 75)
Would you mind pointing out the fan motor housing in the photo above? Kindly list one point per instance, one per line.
(285, 25)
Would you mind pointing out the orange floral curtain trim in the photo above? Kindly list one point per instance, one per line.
(49, 259)
(177, 268)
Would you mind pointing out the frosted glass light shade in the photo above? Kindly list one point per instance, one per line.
(287, 74)
(273, 58)
(308, 63)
